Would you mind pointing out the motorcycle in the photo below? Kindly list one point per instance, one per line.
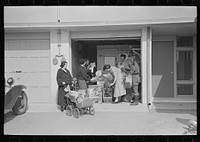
(16, 99)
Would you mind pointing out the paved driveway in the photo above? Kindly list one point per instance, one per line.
(102, 123)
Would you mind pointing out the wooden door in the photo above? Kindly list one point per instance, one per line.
(163, 62)
(107, 54)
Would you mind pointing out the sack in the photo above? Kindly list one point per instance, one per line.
(128, 81)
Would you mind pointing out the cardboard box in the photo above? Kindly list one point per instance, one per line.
(95, 92)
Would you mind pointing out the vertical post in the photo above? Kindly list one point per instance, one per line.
(144, 65)
(175, 72)
(194, 65)
(149, 66)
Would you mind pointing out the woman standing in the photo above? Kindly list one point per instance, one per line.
(121, 66)
(121, 63)
(82, 75)
(64, 79)
(119, 88)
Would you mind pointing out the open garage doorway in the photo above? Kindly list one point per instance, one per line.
(104, 51)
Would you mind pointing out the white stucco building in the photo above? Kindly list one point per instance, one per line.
(164, 36)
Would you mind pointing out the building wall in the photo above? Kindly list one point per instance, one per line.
(48, 14)
(27, 14)
(65, 50)
(156, 79)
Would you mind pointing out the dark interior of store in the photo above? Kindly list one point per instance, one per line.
(88, 49)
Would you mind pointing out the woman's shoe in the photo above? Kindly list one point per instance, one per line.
(116, 101)
(62, 108)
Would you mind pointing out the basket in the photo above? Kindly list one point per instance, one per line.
(87, 102)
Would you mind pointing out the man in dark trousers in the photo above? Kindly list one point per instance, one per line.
(87, 65)
(82, 75)
(133, 68)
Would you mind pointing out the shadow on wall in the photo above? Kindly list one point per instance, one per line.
(156, 79)
(161, 87)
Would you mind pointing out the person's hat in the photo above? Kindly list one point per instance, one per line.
(63, 63)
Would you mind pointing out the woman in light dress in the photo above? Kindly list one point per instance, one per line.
(119, 88)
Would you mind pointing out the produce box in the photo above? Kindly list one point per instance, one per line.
(95, 92)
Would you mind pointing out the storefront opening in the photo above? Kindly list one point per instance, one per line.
(103, 51)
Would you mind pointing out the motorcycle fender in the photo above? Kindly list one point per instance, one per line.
(12, 96)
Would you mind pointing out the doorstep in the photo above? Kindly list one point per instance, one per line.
(174, 104)
(120, 107)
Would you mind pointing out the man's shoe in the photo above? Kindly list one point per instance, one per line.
(62, 108)
(135, 101)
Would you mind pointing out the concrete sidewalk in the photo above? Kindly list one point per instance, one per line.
(100, 107)
(102, 123)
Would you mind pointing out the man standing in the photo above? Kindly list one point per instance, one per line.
(133, 68)
(82, 75)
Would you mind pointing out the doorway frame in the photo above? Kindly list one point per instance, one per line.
(145, 34)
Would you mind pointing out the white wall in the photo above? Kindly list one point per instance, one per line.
(117, 13)
(44, 14)
(30, 14)
(65, 50)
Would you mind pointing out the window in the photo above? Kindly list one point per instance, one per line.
(184, 41)
(184, 65)
(185, 89)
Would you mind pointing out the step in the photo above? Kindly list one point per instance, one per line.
(120, 107)
(174, 104)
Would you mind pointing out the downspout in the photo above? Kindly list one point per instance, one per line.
(149, 67)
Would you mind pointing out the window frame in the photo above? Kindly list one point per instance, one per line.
(184, 82)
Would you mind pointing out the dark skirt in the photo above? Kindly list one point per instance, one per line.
(61, 96)
(82, 84)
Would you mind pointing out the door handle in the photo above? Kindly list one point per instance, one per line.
(18, 71)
